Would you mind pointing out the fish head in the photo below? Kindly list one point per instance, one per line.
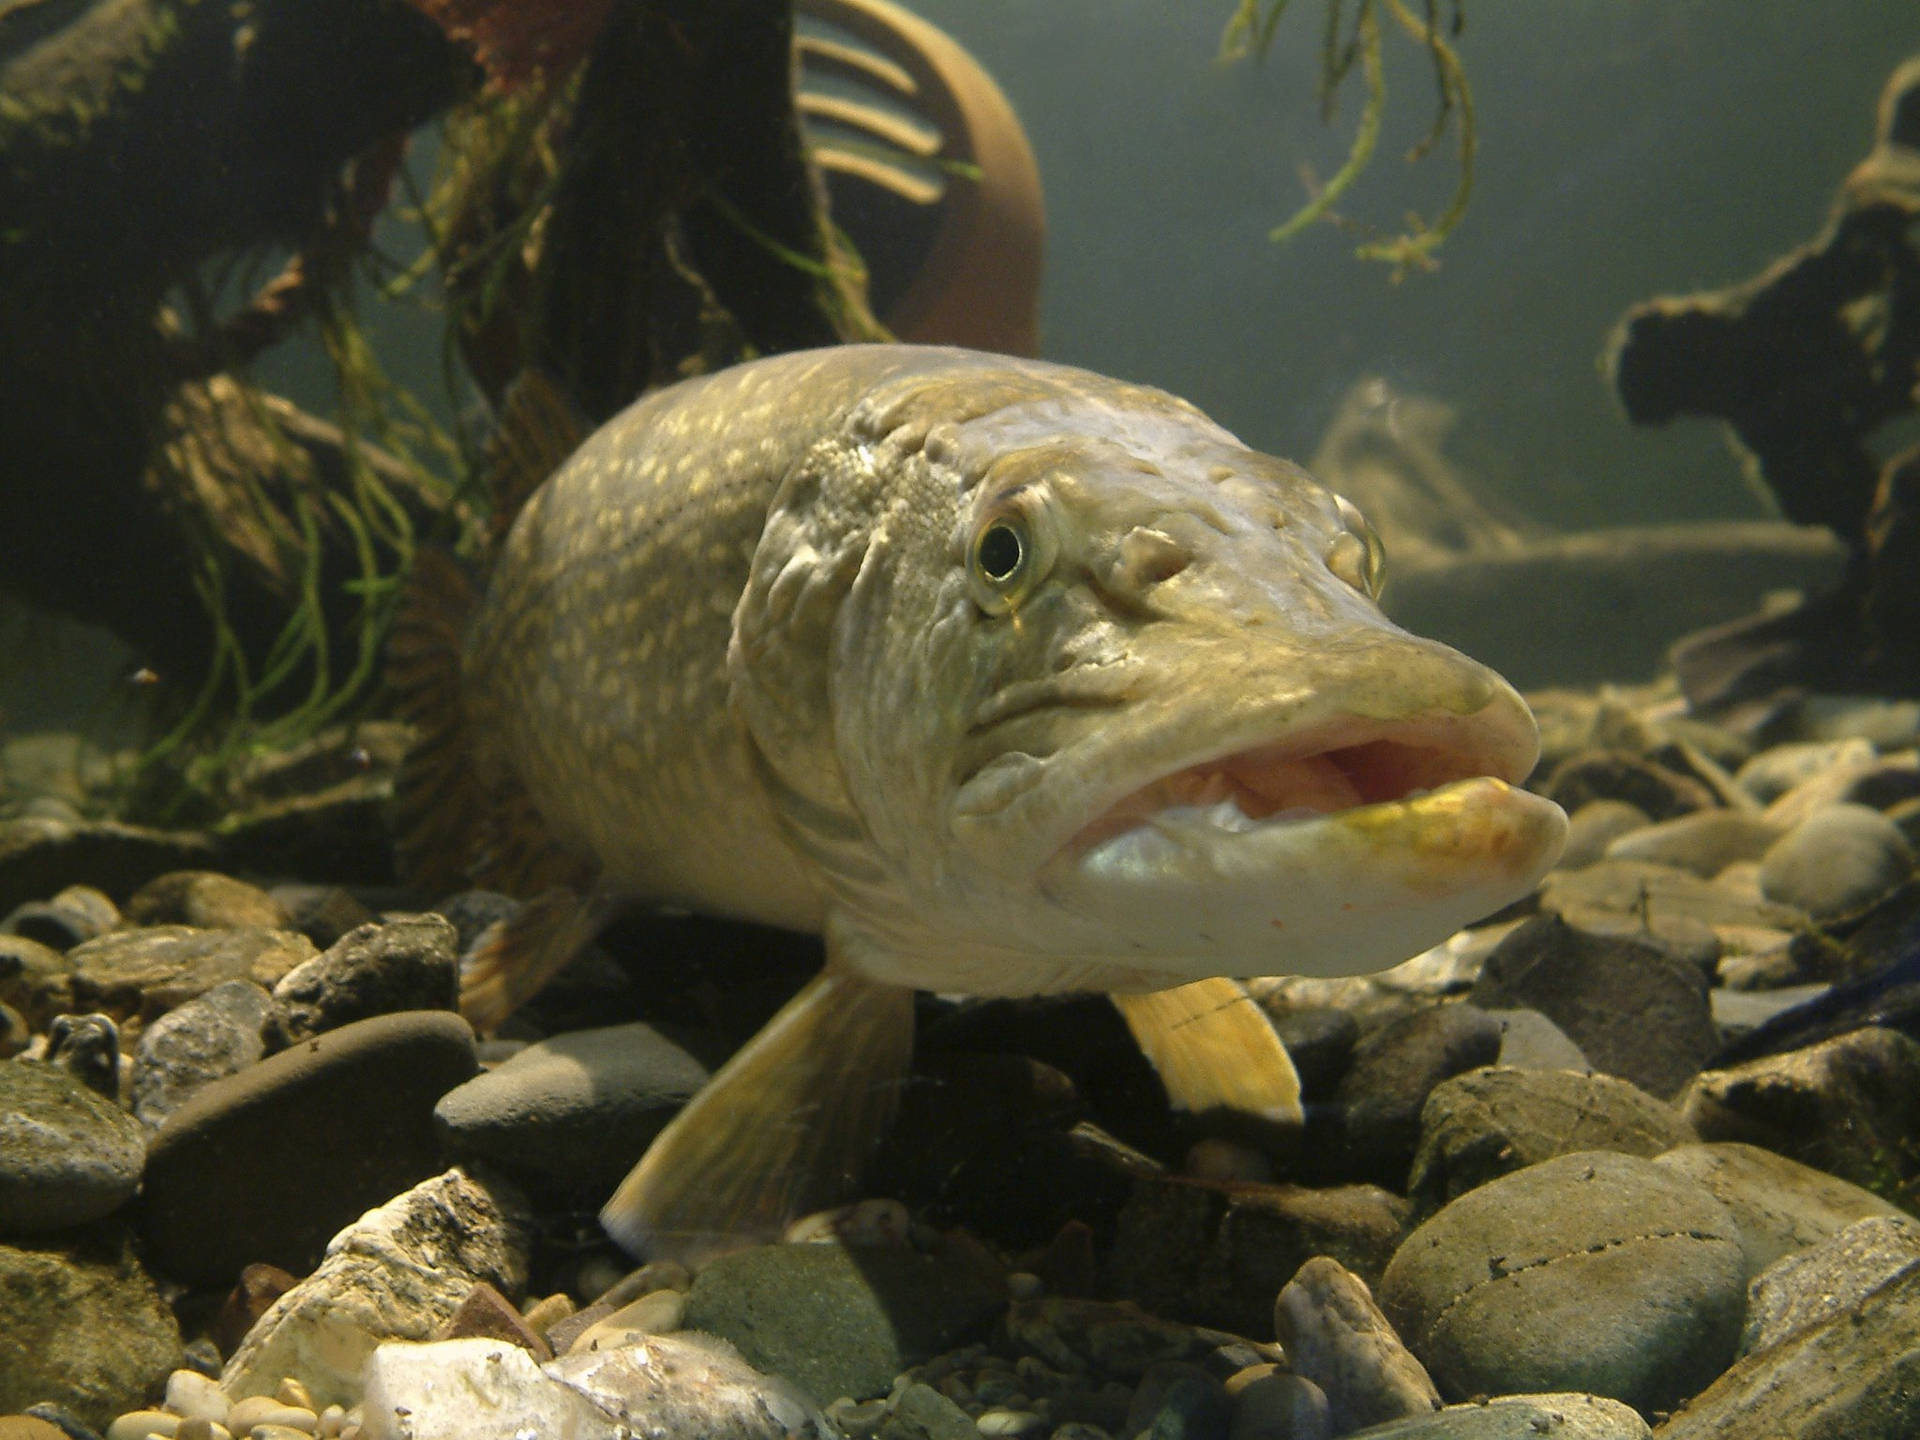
(1110, 704)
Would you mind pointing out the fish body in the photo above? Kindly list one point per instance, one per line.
(1007, 677)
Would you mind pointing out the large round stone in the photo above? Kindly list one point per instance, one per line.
(267, 1164)
(67, 1154)
(1592, 1272)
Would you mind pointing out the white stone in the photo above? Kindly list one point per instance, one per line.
(195, 1396)
(266, 1410)
(673, 1385)
(464, 1389)
(399, 1272)
(139, 1424)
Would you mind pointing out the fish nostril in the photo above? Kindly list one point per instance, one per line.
(1149, 557)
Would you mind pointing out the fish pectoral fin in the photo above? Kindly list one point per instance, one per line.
(784, 1128)
(514, 958)
(1213, 1047)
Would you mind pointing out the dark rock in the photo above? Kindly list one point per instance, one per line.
(322, 913)
(40, 857)
(1617, 775)
(1849, 1106)
(1633, 1009)
(1854, 1376)
(1591, 1272)
(1393, 1071)
(486, 1314)
(252, 1296)
(220, 1033)
(471, 912)
(1113, 1338)
(406, 963)
(1320, 1042)
(1217, 1255)
(1837, 861)
(1487, 1123)
(571, 1115)
(68, 1155)
(77, 914)
(269, 1163)
(1779, 1205)
(838, 1321)
(146, 973)
(1179, 1401)
(82, 1326)
(340, 836)
(980, 1140)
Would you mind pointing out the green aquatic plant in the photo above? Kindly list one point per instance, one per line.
(1250, 33)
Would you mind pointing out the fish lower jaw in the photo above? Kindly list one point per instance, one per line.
(1307, 891)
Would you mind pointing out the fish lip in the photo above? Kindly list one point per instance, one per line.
(1497, 741)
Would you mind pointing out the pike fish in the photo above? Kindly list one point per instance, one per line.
(1005, 677)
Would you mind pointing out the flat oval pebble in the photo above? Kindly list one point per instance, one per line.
(573, 1113)
(148, 972)
(68, 1155)
(138, 1424)
(190, 1393)
(267, 1164)
(205, 899)
(1592, 1271)
(1521, 1417)
(257, 1410)
(1836, 861)
(1705, 842)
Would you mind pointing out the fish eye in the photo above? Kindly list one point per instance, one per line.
(1012, 552)
(1357, 555)
(999, 551)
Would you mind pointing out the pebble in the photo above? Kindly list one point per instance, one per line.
(691, 1385)
(1594, 826)
(1703, 843)
(1280, 1406)
(220, 1033)
(207, 900)
(1523, 1417)
(1659, 792)
(147, 972)
(1491, 1122)
(1213, 1255)
(1776, 770)
(191, 1394)
(1849, 1106)
(1591, 1271)
(435, 1392)
(1827, 1279)
(1008, 1422)
(138, 1424)
(1176, 1401)
(1320, 1042)
(1779, 1206)
(258, 1410)
(82, 1325)
(1336, 1337)
(68, 1155)
(1634, 1010)
(485, 1314)
(405, 963)
(836, 1321)
(35, 979)
(1875, 784)
(400, 1272)
(1530, 1041)
(75, 915)
(920, 1412)
(327, 1129)
(1836, 862)
(660, 1313)
(1655, 894)
(572, 1114)
(1851, 1375)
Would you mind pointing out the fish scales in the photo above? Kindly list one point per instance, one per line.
(1007, 678)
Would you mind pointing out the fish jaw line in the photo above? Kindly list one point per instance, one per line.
(1342, 892)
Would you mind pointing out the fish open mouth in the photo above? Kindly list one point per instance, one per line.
(1291, 781)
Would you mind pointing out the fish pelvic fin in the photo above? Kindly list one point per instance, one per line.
(514, 958)
(784, 1128)
(1214, 1048)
